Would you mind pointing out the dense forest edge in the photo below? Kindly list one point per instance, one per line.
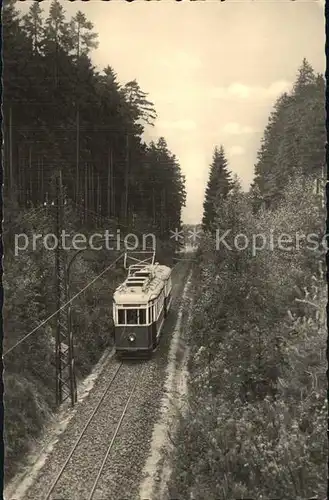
(64, 117)
(253, 424)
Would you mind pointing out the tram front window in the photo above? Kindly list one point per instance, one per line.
(121, 317)
(132, 316)
(142, 316)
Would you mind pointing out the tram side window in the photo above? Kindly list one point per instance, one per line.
(121, 316)
(142, 316)
(132, 317)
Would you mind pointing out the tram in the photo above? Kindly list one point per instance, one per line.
(140, 307)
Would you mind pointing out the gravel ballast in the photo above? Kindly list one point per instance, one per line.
(122, 472)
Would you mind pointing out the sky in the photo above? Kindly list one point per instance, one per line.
(212, 69)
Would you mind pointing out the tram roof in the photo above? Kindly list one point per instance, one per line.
(162, 272)
(141, 289)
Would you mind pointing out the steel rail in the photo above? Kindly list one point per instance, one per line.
(115, 433)
(59, 475)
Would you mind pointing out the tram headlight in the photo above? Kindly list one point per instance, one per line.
(132, 337)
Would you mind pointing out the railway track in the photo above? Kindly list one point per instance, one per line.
(85, 470)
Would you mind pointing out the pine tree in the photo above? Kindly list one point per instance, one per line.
(142, 109)
(82, 37)
(33, 26)
(57, 29)
(270, 177)
(294, 139)
(218, 187)
(305, 76)
(59, 110)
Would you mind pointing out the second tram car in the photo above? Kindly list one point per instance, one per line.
(140, 306)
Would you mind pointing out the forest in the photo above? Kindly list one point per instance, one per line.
(61, 113)
(254, 420)
(63, 116)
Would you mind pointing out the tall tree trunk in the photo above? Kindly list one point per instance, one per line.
(126, 181)
(86, 195)
(162, 215)
(89, 198)
(42, 181)
(10, 184)
(19, 176)
(92, 189)
(38, 190)
(113, 207)
(78, 122)
(24, 183)
(98, 195)
(30, 174)
(77, 154)
(109, 185)
(153, 206)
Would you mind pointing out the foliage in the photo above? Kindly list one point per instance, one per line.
(293, 142)
(218, 187)
(255, 421)
(59, 111)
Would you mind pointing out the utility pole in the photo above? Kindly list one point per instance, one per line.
(58, 340)
(64, 357)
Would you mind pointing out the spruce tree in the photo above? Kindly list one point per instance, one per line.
(218, 187)
(294, 139)
(60, 110)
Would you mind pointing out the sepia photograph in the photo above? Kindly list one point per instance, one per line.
(164, 250)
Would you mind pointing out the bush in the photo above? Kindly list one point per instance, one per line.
(256, 417)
